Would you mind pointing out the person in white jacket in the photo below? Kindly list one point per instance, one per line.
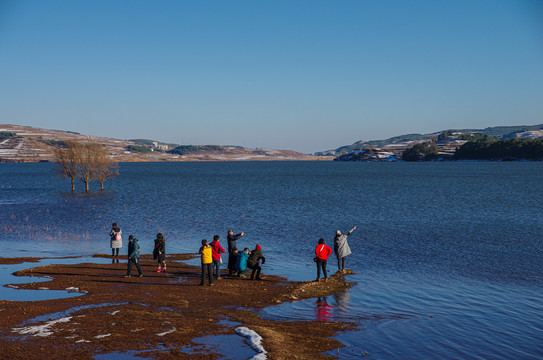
(341, 248)
(116, 241)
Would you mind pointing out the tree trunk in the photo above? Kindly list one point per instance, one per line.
(86, 186)
(101, 184)
(73, 185)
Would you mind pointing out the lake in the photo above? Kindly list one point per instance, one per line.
(448, 256)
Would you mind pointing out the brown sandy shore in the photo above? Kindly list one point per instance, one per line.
(161, 313)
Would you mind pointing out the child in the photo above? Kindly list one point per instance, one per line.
(207, 263)
(252, 262)
(241, 262)
(133, 255)
(159, 253)
(216, 251)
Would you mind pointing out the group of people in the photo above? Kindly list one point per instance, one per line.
(238, 261)
(134, 250)
(211, 259)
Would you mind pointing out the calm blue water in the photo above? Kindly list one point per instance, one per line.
(10, 291)
(448, 256)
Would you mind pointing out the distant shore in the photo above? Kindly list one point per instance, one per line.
(159, 314)
(187, 159)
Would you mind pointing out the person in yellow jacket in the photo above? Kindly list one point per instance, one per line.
(207, 263)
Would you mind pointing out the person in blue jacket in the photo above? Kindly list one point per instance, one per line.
(133, 255)
(241, 261)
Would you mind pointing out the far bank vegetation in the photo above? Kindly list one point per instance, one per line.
(479, 147)
(509, 149)
(85, 161)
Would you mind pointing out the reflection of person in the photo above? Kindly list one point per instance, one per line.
(133, 255)
(341, 248)
(159, 253)
(232, 251)
(322, 251)
(216, 251)
(323, 310)
(207, 263)
(342, 299)
(116, 241)
(253, 262)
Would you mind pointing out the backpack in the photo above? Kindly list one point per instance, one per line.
(118, 236)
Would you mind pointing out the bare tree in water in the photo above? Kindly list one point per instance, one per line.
(105, 167)
(87, 165)
(68, 160)
(87, 162)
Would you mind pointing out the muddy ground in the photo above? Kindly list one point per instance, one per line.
(158, 315)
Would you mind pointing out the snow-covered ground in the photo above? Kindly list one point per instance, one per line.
(41, 330)
(254, 340)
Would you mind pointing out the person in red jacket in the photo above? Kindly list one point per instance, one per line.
(216, 251)
(322, 251)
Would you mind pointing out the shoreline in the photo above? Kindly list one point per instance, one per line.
(150, 315)
(185, 160)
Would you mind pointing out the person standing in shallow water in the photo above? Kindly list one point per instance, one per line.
(116, 241)
(232, 251)
(322, 251)
(341, 248)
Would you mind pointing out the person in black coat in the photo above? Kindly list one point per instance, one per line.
(232, 251)
(253, 262)
(159, 253)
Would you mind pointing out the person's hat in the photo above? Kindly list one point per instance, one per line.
(338, 232)
(258, 247)
(230, 230)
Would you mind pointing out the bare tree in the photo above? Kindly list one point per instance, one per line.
(68, 160)
(105, 167)
(86, 166)
(87, 162)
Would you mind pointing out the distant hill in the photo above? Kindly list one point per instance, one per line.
(28, 144)
(405, 141)
(152, 142)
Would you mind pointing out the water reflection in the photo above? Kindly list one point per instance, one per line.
(11, 292)
(342, 300)
(323, 310)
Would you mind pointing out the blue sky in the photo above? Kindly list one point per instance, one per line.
(300, 75)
